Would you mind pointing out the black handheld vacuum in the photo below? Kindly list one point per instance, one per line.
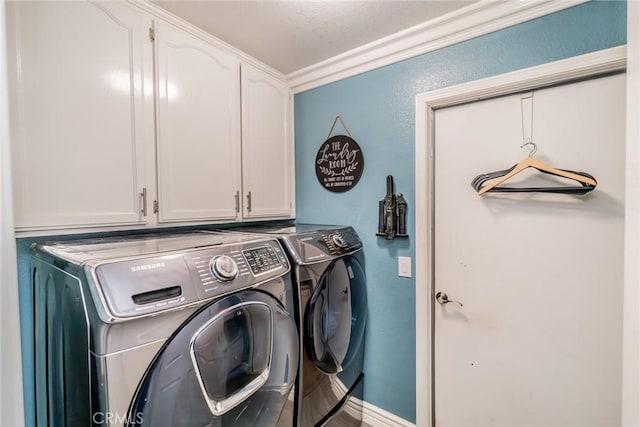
(392, 214)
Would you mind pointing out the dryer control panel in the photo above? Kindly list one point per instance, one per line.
(321, 245)
(341, 242)
(148, 285)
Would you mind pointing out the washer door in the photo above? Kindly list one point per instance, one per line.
(233, 363)
(336, 315)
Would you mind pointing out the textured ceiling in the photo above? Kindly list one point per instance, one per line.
(291, 35)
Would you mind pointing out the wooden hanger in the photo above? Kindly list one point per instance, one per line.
(587, 182)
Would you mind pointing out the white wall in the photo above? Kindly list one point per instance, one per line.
(631, 351)
(11, 402)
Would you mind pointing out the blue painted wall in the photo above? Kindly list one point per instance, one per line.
(378, 107)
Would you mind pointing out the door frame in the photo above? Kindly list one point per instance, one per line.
(563, 71)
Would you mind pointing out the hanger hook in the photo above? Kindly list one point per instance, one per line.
(533, 145)
(526, 103)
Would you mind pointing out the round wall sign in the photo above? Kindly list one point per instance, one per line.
(339, 163)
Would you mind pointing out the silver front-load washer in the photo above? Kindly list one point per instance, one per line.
(190, 329)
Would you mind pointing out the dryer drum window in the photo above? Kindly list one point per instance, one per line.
(336, 315)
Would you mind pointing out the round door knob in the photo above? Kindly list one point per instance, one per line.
(339, 241)
(223, 268)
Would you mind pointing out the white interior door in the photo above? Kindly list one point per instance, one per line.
(538, 340)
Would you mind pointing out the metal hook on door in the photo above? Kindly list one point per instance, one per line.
(534, 147)
(526, 103)
(443, 299)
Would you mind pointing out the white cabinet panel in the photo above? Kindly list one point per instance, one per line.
(198, 128)
(95, 123)
(81, 119)
(267, 149)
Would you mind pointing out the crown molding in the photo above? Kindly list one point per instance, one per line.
(464, 24)
(611, 60)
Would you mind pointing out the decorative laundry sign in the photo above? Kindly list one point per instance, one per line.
(339, 163)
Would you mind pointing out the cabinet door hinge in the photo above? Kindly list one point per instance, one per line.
(155, 206)
(152, 34)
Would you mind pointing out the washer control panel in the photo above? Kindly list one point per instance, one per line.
(263, 259)
(161, 282)
(221, 270)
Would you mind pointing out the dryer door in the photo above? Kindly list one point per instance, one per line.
(232, 363)
(336, 315)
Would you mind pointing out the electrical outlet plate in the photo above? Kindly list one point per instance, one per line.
(404, 266)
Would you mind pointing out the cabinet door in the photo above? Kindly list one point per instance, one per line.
(198, 128)
(267, 149)
(82, 117)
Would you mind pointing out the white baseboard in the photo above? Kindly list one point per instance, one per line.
(373, 415)
(378, 417)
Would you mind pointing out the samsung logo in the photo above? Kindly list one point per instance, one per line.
(145, 267)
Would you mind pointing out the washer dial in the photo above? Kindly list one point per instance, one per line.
(223, 268)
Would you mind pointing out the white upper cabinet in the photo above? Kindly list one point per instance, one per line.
(123, 117)
(198, 128)
(81, 113)
(267, 148)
